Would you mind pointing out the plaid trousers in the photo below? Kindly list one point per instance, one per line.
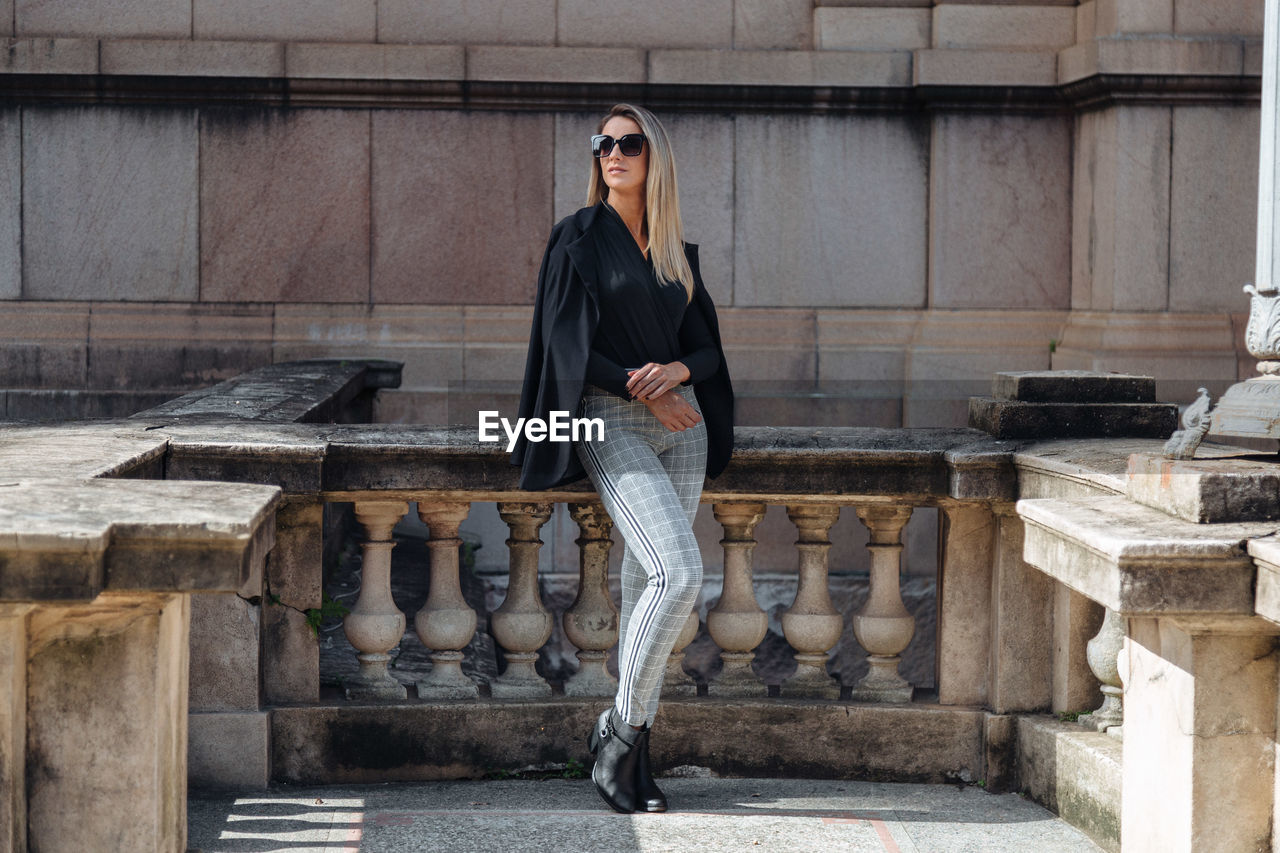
(649, 479)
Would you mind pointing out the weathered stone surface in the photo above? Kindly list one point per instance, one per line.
(290, 658)
(467, 21)
(666, 23)
(1076, 621)
(291, 20)
(137, 18)
(125, 772)
(13, 725)
(772, 24)
(50, 55)
(1073, 772)
(466, 740)
(1137, 560)
(374, 61)
(1021, 660)
(225, 640)
(1015, 419)
(229, 750)
(985, 68)
(1266, 555)
(10, 205)
(83, 450)
(1206, 491)
(872, 28)
(317, 390)
(964, 604)
(110, 203)
(556, 64)
(185, 57)
(1003, 26)
(285, 206)
(1073, 386)
(117, 535)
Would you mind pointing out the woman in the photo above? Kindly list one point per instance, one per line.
(625, 331)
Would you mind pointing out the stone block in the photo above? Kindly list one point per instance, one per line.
(290, 20)
(417, 741)
(1195, 700)
(1000, 211)
(445, 219)
(662, 23)
(229, 750)
(225, 632)
(1076, 620)
(285, 206)
(13, 725)
(985, 68)
(1170, 55)
(50, 56)
(1133, 16)
(556, 64)
(982, 26)
(176, 345)
(467, 21)
(183, 58)
(127, 18)
(1072, 386)
(85, 663)
(290, 657)
(999, 742)
(871, 28)
(841, 220)
(6, 17)
(1206, 491)
(110, 203)
(46, 344)
(1217, 17)
(374, 61)
(773, 24)
(1121, 246)
(1212, 208)
(1021, 662)
(780, 67)
(1014, 419)
(1073, 772)
(1086, 13)
(777, 348)
(964, 604)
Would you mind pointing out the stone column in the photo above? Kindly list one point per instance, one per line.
(964, 602)
(1199, 735)
(737, 623)
(290, 653)
(591, 623)
(883, 626)
(1021, 624)
(522, 625)
(13, 725)
(446, 623)
(811, 625)
(375, 625)
(676, 682)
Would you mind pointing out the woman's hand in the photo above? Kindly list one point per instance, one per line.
(674, 411)
(653, 380)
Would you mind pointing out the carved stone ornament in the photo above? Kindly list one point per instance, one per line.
(1195, 425)
(1262, 335)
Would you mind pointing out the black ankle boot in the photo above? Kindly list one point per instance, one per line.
(649, 796)
(614, 773)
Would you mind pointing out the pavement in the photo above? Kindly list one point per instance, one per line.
(707, 814)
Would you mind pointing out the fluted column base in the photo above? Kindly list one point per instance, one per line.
(446, 680)
(592, 677)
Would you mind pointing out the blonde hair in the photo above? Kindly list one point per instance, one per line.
(661, 199)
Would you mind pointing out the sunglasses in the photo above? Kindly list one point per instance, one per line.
(630, 144)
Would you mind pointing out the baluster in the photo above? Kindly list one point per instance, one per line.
(375, 626)
(522, 625)
(811, 625)
(737, 623)
(446, 623)
(1102, 653)
(591, 623)
(883, 626)
(676, 682)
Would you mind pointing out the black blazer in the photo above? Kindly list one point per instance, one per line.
(565, 315)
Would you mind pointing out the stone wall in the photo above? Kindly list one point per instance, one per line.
(893, 199)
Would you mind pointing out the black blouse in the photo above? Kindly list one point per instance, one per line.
(633, 309)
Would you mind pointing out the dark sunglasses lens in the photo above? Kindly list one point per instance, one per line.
(631, 144)
(601, 145)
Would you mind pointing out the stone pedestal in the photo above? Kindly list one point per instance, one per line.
(591, 623)
(964, 603)
(1199, 739)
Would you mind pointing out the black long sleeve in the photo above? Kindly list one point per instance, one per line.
(703, 357)
(607, 374)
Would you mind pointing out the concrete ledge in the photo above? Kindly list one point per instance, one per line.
(1074, 772)
(229, 750)
(775, 738)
